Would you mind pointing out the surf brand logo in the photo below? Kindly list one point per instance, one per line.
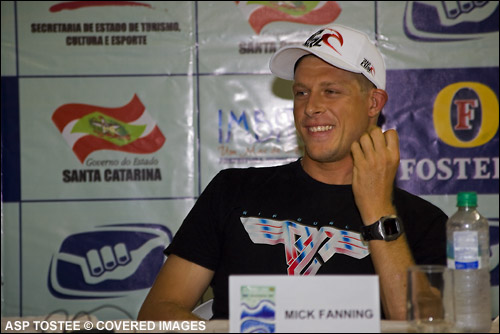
(320, 36)
(72, 5)
(368, 66)
(108, 262)
(466, 114)
(261, 13)
(88, 128)
(450, 20)
(306, 248)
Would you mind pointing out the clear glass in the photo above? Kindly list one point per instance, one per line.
(430, 302)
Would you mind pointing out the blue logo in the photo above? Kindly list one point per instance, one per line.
(258, 126)
(108, 262)
(450, 20)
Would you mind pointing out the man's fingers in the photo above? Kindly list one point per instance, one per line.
(375, 142)
(383, 140)
(392, 139)
(379, 140)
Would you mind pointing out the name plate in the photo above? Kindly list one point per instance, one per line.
(280, 303)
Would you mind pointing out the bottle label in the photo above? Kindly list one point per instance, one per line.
(466, 250)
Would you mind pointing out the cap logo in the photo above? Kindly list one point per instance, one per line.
(317, 38)
(368, 66)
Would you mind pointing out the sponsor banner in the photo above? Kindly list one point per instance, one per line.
(99, 138)
(449, 139)
(101, 103)
(11, 259)
(8, 53)
(250, 125)
(258, 29)
(113, 37)
(432, 34)
(100, 253)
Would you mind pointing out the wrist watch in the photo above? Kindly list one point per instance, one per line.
(387, 228)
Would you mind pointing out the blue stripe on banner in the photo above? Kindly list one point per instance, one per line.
(11, 185)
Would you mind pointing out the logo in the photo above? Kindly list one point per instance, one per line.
(261, 13)
(258, 309)
(256, 136)
(258, 126)
(87, 128)
(460, 113)
(450, 20)
(317, 38)
(109, 261)
(368, 66)
(306, 248)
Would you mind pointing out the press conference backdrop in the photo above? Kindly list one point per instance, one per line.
(116, 115)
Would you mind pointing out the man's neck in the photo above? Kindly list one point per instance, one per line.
(338, 172)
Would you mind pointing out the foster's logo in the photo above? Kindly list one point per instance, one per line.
(466, 114)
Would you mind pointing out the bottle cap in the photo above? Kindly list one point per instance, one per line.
(467, 198)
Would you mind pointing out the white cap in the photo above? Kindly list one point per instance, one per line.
(343, 47)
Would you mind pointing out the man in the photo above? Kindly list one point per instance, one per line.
(334, 211)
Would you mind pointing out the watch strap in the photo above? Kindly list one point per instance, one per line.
(380, 230)
(371, 232)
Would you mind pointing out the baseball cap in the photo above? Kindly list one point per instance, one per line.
(340, 46)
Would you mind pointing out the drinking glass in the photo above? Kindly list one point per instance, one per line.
(430, 306)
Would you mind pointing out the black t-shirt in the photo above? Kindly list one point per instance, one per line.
(279, 220)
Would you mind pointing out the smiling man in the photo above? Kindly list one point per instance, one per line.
(335, 211)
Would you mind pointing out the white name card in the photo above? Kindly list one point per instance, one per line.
(279, 304)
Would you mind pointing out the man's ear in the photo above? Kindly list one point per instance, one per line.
(378, 98)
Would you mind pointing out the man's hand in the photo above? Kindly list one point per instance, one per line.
(376, 161)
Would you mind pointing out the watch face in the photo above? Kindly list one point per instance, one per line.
(390, 226)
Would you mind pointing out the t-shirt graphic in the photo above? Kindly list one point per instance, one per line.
(304, 245)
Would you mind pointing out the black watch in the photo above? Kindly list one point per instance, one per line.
(387, 228)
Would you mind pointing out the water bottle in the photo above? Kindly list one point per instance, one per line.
(467, 234)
